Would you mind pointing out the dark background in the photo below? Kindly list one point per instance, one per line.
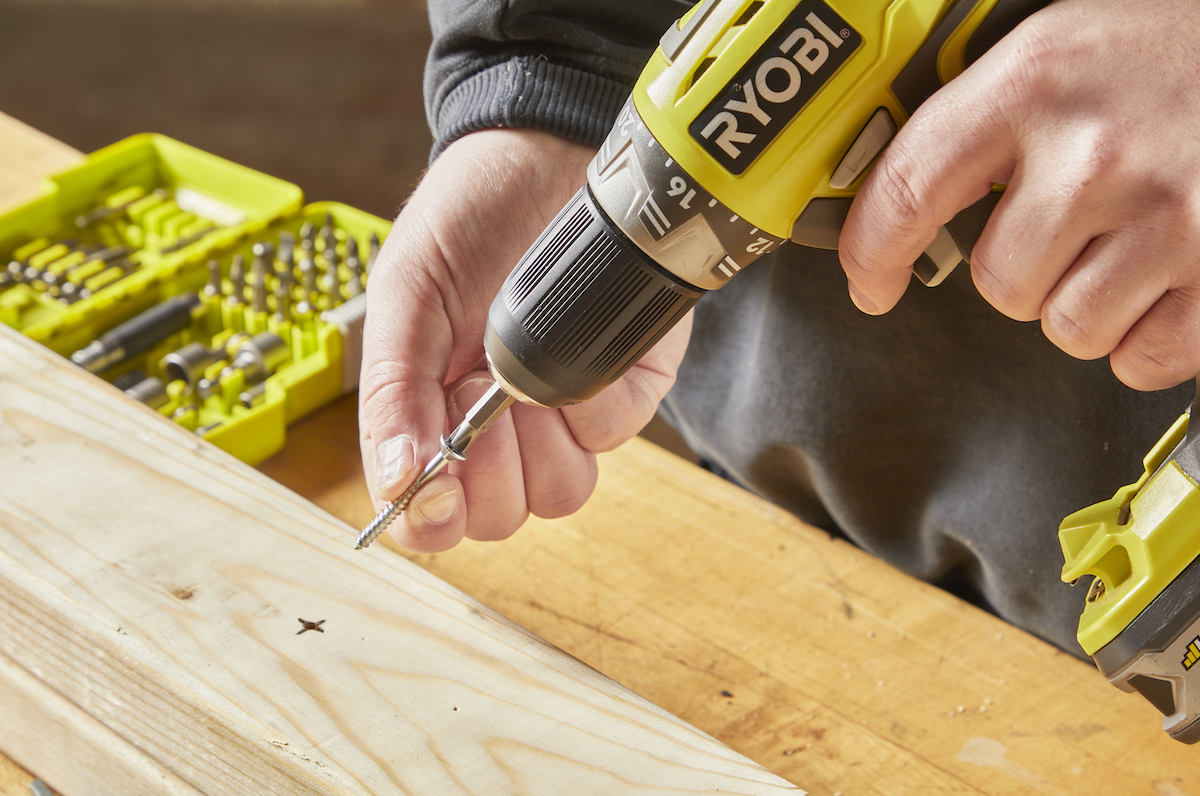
(325, 94)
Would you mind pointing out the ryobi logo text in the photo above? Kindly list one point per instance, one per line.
(774, 85)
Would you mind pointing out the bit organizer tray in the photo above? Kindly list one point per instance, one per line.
(202, 288)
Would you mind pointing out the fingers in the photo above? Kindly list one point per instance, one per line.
(528, 462)
(1097, 232)
(478, 208)
(1160, 350)
(559, 474)
(533, 459)
(920, 182)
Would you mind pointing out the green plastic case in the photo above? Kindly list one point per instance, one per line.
(148, 220)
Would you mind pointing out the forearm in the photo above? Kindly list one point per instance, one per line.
(563, 66)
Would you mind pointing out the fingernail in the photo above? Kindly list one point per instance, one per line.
(437, 507)
(862, 301)
(394, 461)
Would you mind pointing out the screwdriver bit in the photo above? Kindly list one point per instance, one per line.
(486, 411)
(213, 288)
(237, 281)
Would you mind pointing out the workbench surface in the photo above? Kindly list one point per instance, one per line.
(824, 665)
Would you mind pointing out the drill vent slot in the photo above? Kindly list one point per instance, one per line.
(723, 43)
(550, 254)
(648, 315)
(569, 287)
(597, 316)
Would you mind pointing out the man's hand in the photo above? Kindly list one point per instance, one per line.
(479, 207)
(1089, 113)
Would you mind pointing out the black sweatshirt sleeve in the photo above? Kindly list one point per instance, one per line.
(558, 65)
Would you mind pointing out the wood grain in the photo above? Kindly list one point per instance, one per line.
(808, 656)
(156, 583)
(27, 157)
(814, 659)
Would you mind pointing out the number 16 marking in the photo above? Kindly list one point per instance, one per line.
(678, 186)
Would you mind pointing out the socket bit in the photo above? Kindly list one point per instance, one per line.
(257, 358)
(150, 391)
(188, 364)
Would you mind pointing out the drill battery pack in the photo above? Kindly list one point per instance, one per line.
(1141, 619)
(204, 289)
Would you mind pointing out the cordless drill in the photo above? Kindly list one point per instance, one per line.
(753, 124)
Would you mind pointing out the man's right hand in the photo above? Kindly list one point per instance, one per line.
(482, 203)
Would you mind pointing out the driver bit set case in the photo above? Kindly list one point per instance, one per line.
(204, 289)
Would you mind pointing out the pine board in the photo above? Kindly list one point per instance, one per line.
(153, 585)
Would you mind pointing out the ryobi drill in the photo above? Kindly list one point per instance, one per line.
(753, 124)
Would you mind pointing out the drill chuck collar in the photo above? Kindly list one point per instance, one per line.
(582, 306)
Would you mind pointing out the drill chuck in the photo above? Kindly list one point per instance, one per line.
(582, 306)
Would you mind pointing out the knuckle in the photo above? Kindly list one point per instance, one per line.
(998, 288)
(1159, 351)
(555, 502)
(1036, 62)
(599, 432)
(380, 385)
(1145, 366)
(565, 494)
(1075, 332)
(904, 200)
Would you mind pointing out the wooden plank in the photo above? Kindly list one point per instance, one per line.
(155, 583)
(27, 157)
(805, 654)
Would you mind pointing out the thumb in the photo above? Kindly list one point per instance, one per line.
(401, 399)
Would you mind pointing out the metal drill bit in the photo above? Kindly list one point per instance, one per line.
(286, 257)
(213, 288)
(264, 260)
(327, 236)
(308, 239)
(189, 240)
(283, 301)
(309, 276)
(331, 283)
(237, 281)
(259, 293)
(354, 270)
(138, 334)
(107, 211)
(486, 411)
